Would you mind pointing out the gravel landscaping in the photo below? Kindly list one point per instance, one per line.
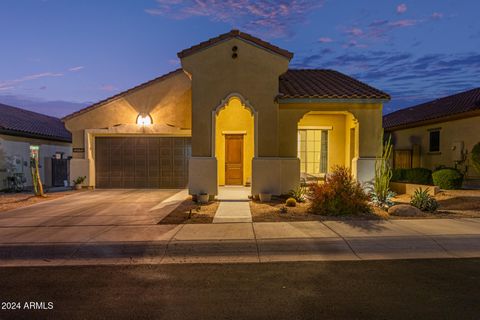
(191, 212)
(452, 204)
(271, 212)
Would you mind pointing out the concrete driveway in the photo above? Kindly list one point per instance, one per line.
(94, 208)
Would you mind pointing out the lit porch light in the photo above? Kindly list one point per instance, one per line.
(144, 119)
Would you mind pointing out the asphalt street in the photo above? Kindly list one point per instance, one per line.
(395, 289)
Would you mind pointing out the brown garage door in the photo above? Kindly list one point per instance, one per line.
(141, 162)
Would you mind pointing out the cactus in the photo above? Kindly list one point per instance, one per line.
(383, 174)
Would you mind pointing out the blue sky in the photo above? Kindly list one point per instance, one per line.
(58, 56)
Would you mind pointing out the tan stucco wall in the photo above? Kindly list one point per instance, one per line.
(253, 74)
(234, 119)
(465, 130)
(18, 149)
(168, 101)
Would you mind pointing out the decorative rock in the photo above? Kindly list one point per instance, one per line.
(404, 210)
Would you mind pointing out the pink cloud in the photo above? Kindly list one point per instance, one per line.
(402, 8)
(264, 16)
(325, 40)
(403, 23)
(354, 31)
(437, 15)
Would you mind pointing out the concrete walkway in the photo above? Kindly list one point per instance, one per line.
(241, 242)
(234, 205)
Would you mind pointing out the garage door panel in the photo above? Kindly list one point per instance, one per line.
(142, 162)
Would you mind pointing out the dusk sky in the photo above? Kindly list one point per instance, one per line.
(57, 56)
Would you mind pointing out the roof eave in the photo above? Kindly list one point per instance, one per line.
(236, 34)
(421, 123)
(330, 100)
(24, 134)
(119, 95)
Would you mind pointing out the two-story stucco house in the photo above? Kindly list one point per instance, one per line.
(234, 114)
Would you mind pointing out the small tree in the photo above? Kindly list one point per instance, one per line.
(383, 174)
(34, 169)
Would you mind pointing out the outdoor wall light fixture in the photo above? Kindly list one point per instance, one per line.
(144, 119)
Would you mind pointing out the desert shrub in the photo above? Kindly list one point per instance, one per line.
(448, 178)
(418, 176)
(384, 203)
(423, 201)
(340, 194)
(398, 174)
(299, 194)
(291, 202)
(79, 180)
(475, 155)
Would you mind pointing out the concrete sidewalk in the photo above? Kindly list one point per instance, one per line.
(241, 242)
(234, 205)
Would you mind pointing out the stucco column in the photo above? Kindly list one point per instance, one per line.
(369, 141)
(288, 137)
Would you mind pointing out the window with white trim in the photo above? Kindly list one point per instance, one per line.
(313, 151)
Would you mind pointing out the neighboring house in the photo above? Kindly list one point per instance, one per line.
(441, 132)
(234, 114)
(23, 132)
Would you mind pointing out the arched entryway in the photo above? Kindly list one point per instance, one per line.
(234, 140)
(326, 139)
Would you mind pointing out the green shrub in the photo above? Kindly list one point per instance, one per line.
(291, 202)
(423, 201)
(79, 180)
(448, 179)
(476, 157)
(398, 174)
(299, 194)
(340, 194)
(418, 176)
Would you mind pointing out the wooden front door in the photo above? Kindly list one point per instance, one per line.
(234, 159)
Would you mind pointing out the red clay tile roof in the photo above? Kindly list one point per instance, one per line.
(121, 94)
(325, 84)
(20, 122)
(235, 34)
(439, 109)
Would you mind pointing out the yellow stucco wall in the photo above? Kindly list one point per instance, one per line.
(253, 74)
(234, 119)
(337, 143)
(465, 130)
(168, 101)
(366, 118)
